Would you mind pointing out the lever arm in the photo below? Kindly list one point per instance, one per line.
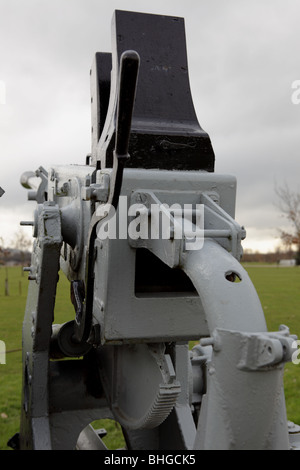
(129, 66)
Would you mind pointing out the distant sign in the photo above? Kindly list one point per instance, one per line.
(287, 262)
(2, 352)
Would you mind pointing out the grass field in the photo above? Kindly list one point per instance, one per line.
(278, 289)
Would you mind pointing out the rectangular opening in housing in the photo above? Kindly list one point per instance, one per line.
(155, 278)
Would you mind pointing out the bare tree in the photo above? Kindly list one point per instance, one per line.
(288, 201)
(4, 253)
(22, 243)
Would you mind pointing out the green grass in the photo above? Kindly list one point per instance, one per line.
(12, 310)
(11, 316)
(278, 289)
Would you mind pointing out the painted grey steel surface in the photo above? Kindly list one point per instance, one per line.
(138, 301)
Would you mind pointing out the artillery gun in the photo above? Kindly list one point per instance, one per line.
(145, 232)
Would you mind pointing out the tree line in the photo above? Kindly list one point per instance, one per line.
(18, 251)
(271, 257)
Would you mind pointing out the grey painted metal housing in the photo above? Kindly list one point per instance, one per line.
(142, 292)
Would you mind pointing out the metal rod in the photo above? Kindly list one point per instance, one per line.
(129, 67)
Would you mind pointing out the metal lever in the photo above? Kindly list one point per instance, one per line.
(129, 67)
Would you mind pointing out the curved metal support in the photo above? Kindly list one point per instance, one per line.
(245, 375)
(230, 305)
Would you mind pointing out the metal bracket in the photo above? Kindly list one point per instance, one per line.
(168, 249)
(222, 227)
(255, 351)
(206, 220)
(37, 183)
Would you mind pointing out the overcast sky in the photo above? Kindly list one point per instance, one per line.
(243, 58)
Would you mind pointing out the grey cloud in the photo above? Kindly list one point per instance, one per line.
(242, 60)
